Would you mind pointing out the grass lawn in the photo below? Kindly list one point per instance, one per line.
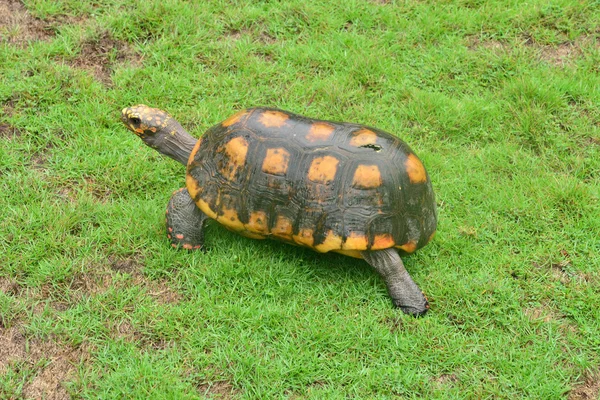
(501, 101)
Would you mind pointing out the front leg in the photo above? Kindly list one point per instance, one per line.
(403, 290)
(185, 221)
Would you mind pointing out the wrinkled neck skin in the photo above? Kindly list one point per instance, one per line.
(173, 141)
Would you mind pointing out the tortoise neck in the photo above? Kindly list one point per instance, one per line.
(178, 146)
(173, 141)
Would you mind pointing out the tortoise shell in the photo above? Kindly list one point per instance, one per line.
(329, 186)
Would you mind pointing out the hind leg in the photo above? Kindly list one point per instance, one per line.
(403, 290)
(185, 221)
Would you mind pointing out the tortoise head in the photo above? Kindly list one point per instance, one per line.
(160, 131)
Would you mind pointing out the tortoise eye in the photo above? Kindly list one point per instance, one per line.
(135, 120)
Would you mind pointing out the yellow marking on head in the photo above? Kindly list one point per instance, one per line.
(230, 219)
(276, 161)
(320, 131)
(283, 228)
(349, 253)
(273, 119)
(257, 223)
(415, 170)
(323, 169)
(304, 237)
(235, 150)
(409, 246)
(367, 177)
(234, 119)
(355, 241)
(384, 241)
(363, 137)
(332, 242)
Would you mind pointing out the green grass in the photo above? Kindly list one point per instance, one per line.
(501, 101)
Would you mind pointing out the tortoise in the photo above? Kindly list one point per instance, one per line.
(329, 186)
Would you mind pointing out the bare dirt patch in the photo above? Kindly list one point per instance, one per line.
(68, 190)
(8, 105)
(445, 380)
(476, 43)
(255, 35)
(217, 390)
(588, 390)
(18, 26)
(7, 131)
(99, 55)
(544, 313)
(395, 324)
(559, 55)
(52, 363)
(9, 286)
(98, 278)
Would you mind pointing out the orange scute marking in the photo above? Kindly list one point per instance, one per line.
(282, 228)
(205, 208)
(304, 237)
(179, 236)
(320, 131)
(355, 241)
(409, 246)
(192, 186)
(257, 223)
(331, 242)
(276, 161)
(363, 137)
(384, 241)
(235, 150)
(415, 170)
(273, 119)
(230, 219)
(234, 119)
(194, 151)
(323, 169)
(187, 246)
(367, 177)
